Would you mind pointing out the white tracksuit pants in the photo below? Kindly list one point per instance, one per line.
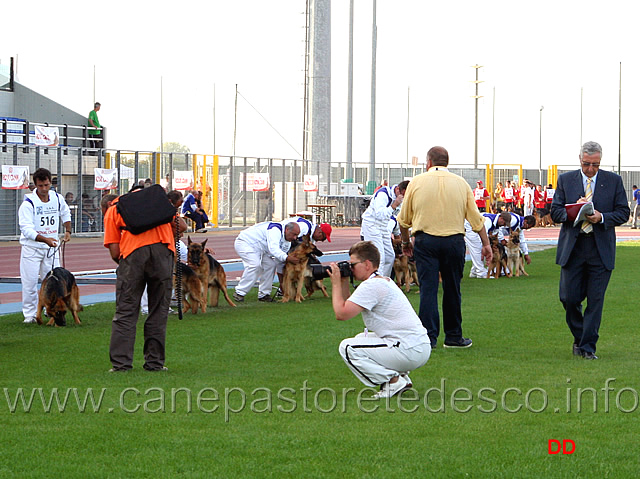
(474, 245)
(258, 266)
(34, 264)
(385, 247)
(375, 363)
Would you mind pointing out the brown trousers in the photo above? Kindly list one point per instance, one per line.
(150, 266)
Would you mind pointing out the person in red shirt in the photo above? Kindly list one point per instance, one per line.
(548, 195)
(508, 196)
(538, 201)
(481, 196)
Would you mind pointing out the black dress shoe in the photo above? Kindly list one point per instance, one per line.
(589, 355)
(576, 350)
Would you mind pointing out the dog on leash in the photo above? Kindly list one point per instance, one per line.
(209, 272)
(191, 289)
(295, 276)
(498, 263)
(515, 263)
(59, 294)
(404, 268)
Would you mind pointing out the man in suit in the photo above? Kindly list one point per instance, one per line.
(586, 252)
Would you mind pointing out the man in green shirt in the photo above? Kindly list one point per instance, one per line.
(95, 123)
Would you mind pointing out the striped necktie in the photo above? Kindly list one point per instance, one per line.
(588, 194)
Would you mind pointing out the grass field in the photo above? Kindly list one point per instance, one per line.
(260, 391)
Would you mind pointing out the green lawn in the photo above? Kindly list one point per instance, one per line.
(270, 396)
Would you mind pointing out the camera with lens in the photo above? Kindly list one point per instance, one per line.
(321, 271)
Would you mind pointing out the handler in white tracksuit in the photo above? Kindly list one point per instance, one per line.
(375, 222)
(319, 232)
(492, 223)
(39, 218)
(257, 246)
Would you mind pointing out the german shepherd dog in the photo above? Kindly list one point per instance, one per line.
(515, 263)
(499, 262)
(209, 272)
(191, 289)
(404, 268)
(295, 276)
(59, 294)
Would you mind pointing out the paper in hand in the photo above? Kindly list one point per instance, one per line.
(585, 210)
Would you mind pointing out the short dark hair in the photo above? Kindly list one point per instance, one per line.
(174, 196)
(403, 185)
(438, 156)
(41, 174)
(366, 250)
(530, 220)
(96, 104)
(106, 199)
(506, 217)
(136, 187)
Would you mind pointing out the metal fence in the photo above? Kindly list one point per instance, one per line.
(225, 183)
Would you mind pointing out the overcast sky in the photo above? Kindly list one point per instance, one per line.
(534, 54)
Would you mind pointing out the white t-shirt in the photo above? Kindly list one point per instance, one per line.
(39, 218)
(388, 313)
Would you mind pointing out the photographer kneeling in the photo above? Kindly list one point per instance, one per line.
(394, 342)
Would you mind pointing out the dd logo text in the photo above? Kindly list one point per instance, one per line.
(567, 446)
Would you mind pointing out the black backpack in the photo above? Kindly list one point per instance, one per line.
(145, 209)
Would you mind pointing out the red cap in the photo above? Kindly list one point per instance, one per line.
(326, 229)
(479, 182)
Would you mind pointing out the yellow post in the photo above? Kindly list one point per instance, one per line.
(489, 186)
(214, 194)
(108, 162)
(156, 173)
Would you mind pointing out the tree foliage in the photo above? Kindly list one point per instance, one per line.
(174, 147)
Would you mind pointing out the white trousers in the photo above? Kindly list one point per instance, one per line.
(375, 363)
(474, 245)
(385, 247)
(34, 264)
(528, 210)
(258, 266)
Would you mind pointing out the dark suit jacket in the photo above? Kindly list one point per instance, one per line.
(609, 199)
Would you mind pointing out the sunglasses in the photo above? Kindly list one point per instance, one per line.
(595, 165)
(357, 262)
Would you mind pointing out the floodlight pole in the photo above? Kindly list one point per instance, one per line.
(540, 165)
(476, 96)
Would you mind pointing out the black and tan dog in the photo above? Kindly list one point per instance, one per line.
(404, 268)
(498, 263)
(58, 294)
(295, 276)
(209, 271)
(515, 263)
(191, 289)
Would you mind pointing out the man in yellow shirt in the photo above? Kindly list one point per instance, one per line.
(435, 206)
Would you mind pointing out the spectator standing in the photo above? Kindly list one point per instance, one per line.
(39, 218)
(481, 196)
(508, 195)
(144, 260)
(437, 203)
(636, 207)
(586, 252)
(94, 134)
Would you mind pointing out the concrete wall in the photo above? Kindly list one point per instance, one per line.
(32, 106)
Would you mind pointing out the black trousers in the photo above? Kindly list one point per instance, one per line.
(444, 255)
(584, 276)
(150, 266)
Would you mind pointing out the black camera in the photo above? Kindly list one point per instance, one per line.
(321, 271)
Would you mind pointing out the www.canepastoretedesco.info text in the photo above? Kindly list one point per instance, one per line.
(234, 400)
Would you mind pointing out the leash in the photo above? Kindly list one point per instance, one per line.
(178, 270)
(51, 253)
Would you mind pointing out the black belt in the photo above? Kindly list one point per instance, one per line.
(585, 235)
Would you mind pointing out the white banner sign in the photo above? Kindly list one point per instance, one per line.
(310, 182)
(255, 182)
(182, 180)
(105, 179)
(15, 177)
(127, 173)
(47, 135)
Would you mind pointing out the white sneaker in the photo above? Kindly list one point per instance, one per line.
(29, 321)
(408, 379)
(144, 311)
(391, 389)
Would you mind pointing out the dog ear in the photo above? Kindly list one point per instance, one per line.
(188, 240)
(204, 243)
(307, 237)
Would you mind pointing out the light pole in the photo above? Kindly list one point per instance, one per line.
(476, 96)
(540, 166)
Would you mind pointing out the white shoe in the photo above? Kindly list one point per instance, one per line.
(145, 311)
(391, 389)
(408, 379)
(30, 321)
